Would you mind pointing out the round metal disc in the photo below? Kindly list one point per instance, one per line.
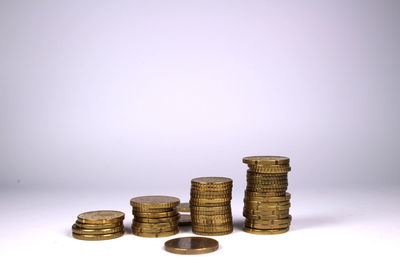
(191, 245)
(101, 217)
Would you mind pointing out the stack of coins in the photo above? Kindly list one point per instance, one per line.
(155, 216)
(210, 206)
(99, 225)
(266, 202)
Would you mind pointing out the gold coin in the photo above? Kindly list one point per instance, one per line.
(212, 180)
(208, 194)
(261, 220)
(137, 209)
(153, 231)
(222, 209)
(185, 220)
(263, 194)
(98, 226)
(98, 237)
(265, 232)
(155, 214)
(209, 205)
(212, 228)
(267, 227)
(157, 220)
(82, 231)
(267, 208)
(266, 176)
(154, 225)
(183, 207)
(270, 191)
(163, 234)
(154, 202)
(212, 233)
(266, 160)
(101, 217)
(267, 199)
(191, 245)
(211, 188)
(269, 169)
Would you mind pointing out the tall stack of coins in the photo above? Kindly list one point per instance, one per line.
(155, 216)
(266, 202)
(210, 205)
(99, 225)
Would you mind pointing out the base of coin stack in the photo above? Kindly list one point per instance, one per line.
(155, 216)
(210, 206)
(266, 202)
(99, 225)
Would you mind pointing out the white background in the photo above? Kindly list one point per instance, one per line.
(101, 101)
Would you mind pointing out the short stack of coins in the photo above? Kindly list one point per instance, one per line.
(99, 225)
(210, 205)
(155, 216)
(266, 202)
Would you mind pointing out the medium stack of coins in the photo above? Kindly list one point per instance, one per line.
(266, 202)
(155, 216)
(210, 206)
(99, 225)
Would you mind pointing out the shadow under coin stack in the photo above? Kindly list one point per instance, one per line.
(210, 205)
(266, 202)
(155, 216)
(99, 225)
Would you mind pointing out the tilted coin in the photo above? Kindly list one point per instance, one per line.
(157, 220)
(183, 207)
(191, 245)
(154, 225)
(265, 232)
(266, 160)
(98, 226)
(147, 209)
(98, 237)
(101, 217)
(82, 231)
(154, 202)
(155, 214)
(185, 220)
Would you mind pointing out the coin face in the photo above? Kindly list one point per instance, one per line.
(212, 180)
(266, 160)
(191, 245)
(155, 201)
(101, 217)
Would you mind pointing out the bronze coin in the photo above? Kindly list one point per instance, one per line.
(191, 245)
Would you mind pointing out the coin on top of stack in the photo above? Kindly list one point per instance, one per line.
(266, 202)
(210, 205)
(99, 225)
(155, 216)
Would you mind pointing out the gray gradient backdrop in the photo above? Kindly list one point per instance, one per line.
(101, 101)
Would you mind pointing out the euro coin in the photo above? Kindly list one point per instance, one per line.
(191, 245)
(101, 217)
